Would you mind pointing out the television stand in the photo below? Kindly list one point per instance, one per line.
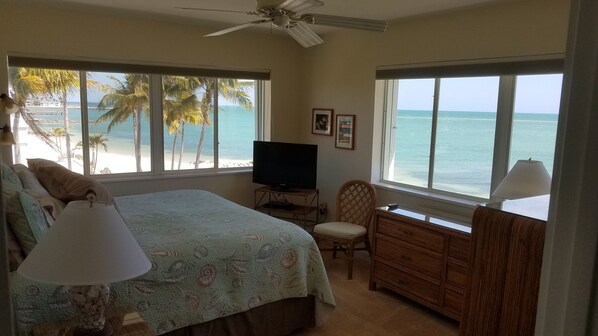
(299, 206)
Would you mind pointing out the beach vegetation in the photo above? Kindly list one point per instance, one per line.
(233, 90)
(207, 122)
(124, 99)
(96, 141)
(29, 84)
(25, 86)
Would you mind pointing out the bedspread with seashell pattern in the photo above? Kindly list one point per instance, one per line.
(210, 258)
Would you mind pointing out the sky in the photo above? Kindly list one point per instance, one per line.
(94, 95)
(534, 94)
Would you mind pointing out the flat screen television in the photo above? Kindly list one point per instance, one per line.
(285, 166)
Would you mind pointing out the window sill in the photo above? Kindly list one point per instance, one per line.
(461, 207)
(170, 175)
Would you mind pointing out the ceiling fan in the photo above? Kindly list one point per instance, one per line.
(284, 14)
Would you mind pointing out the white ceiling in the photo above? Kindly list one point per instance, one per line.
(166, 9)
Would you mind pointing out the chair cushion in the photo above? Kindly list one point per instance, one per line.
(340, 230)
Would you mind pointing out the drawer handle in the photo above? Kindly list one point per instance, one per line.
(407, 233)
(406, 258)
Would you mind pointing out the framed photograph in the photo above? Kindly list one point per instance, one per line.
(321, 121)
(345, 131)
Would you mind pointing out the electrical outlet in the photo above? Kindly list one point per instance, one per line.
(323, 208)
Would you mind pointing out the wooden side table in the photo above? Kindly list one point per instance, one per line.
(125, 322)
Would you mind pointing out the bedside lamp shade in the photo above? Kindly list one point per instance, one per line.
(527, 178)
(88, 244)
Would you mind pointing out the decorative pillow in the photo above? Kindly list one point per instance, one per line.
(67, 185)
(29, 180)
(10, 180)
(26, 220)
(15, 253)
(51, 206)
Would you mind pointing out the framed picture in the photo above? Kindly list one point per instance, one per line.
(321, 121)
(345, 131)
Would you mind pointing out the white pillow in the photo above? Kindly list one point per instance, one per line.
(29, 180)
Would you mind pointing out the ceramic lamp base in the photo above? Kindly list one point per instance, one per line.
(106, 331)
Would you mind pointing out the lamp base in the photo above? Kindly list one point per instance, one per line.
(106, 331)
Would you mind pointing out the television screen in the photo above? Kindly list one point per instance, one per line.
(285, 165)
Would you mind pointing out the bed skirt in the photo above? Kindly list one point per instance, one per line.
(274, 319)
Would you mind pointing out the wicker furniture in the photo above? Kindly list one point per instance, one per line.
(504, 276)
(355, 203)
(421, 257)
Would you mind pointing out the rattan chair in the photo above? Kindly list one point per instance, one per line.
(355, 203)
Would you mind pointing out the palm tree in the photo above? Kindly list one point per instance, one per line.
(232, 90)
(96, 141)
(24, 86)
(58, 132)
(127, 98)
(60, 83)
(180, 107)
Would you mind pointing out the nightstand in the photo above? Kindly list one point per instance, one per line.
(124, 320)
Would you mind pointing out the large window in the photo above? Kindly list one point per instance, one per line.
(451, 134)
(100, 122)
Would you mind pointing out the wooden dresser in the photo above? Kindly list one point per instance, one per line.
(421, 257)
(504, 276)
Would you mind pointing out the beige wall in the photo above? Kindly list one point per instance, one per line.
(55, 32)
(338, 74)
(342, 74)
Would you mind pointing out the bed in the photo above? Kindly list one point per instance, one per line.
(217, 268)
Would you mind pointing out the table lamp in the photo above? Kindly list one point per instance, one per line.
(528, 178)
(87, 247)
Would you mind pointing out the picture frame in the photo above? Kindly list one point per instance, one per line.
(345, 131)
(321, 121)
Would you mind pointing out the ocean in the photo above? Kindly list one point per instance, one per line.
(464, 147)
(236, 133)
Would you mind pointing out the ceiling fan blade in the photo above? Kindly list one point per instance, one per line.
(214, 10)
(297, 6)
(239, 27)
(304, 35)
(344, 22)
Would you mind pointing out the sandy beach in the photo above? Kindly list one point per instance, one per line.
(115, 160)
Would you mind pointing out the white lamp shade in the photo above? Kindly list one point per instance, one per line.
(527, 178)
(86, 246)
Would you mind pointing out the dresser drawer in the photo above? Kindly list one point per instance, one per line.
(456, 275)
(411, 233)
(427, 263)
(453, 301)
(459, 248)
(407, 282)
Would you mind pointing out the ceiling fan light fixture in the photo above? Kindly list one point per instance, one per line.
(305, 36)
(345, 22)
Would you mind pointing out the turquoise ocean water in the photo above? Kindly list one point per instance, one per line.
(464, 147)
(236, 133)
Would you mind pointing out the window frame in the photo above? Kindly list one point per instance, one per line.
(155, 73)
(506, 70)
